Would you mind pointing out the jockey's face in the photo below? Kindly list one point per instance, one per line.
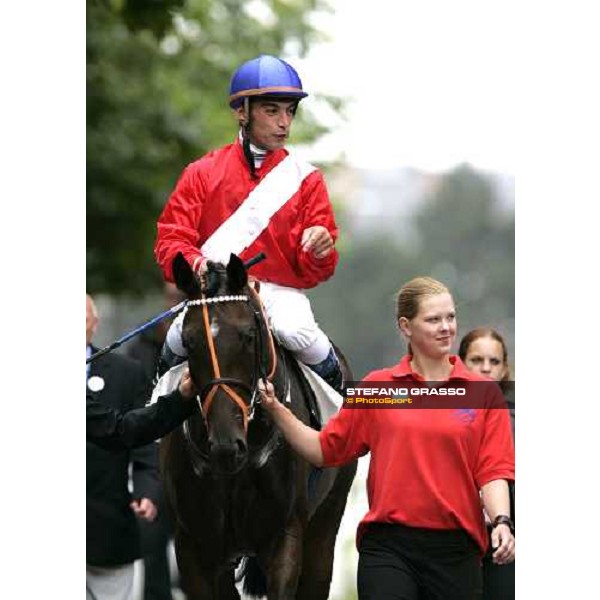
(271, 121)
(432, 331)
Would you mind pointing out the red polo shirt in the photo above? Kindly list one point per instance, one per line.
(427, 465)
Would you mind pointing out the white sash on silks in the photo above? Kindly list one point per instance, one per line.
(253, 215)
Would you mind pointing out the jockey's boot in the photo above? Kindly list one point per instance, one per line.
(167, 360)
(330, 370)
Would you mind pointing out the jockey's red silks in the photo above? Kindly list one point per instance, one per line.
(211, 190)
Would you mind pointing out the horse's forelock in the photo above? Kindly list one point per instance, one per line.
(216, 279)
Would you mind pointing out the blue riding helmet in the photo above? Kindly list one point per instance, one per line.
(264, 76)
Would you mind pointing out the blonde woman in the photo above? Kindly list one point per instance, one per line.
(424, 534)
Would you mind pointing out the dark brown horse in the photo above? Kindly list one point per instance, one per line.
(235, 487)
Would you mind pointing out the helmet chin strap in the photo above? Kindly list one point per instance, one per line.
(246, 139)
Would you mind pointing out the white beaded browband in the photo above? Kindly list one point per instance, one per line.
(215, 300)
(202, 301)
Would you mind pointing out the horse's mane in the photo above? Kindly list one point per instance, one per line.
(216, 279)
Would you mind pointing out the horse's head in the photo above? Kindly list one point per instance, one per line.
(227, 341)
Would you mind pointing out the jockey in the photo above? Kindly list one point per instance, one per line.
(254, 195)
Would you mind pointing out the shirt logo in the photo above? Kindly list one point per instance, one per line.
(465, 415)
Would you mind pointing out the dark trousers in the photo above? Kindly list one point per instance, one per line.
(498, 580)
(410, 563)
(155, 538)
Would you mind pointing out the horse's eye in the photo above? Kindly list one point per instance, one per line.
(188, 342)
(247, 336)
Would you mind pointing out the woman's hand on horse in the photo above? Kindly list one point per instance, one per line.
(302, 438)
(267, 394)
(186, 386)
(144, 508)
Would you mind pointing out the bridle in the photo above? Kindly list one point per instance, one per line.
(261, 370)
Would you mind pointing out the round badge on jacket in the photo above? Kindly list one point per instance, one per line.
(95, 383)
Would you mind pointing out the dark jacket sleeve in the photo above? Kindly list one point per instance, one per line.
(114, 430)
(144, 472)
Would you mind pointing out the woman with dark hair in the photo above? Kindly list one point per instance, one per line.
(424, 534)
(483, 350)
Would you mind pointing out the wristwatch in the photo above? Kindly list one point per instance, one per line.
(504, 520)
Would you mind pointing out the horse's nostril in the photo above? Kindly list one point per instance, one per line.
(231, 451)
(228, 458)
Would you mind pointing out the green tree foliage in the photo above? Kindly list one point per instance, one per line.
(157, 83)
(463, 237)
(468, 241)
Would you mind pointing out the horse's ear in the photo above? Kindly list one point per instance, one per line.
(237, 277)
(184, 276)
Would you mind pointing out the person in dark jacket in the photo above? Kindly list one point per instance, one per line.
(112, 536)
(156, 535)
(113, 429)
(116, 430)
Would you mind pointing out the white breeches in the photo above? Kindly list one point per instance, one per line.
(291, 319)
(293, 322)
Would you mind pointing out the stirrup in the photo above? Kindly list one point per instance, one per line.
(330, 371)
(335, 379)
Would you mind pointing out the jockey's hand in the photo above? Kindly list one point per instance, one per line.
(144, 508)
(186, 386)
(317, 240)
(503, 543)
(200, 269)
(267, 394)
